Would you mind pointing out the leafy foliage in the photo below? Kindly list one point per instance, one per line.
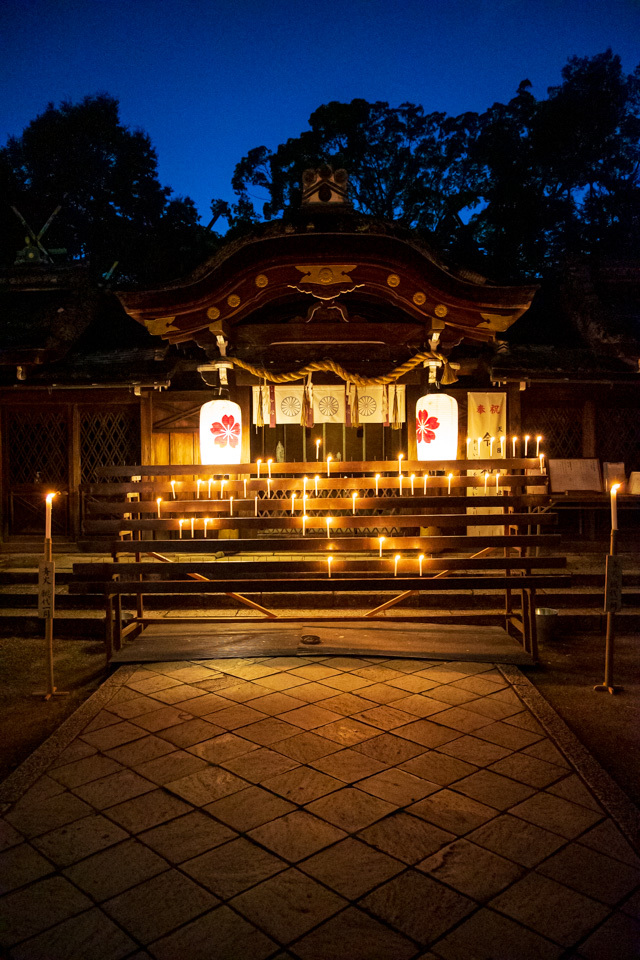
(104, 176)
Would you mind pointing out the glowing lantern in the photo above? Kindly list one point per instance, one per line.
(220, 432)
(437, 427)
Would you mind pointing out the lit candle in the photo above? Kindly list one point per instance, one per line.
(204, 523)
(425, 477)
(269, 462)
(492, 440)
(479, 442)
(498, 482)
(526, 444)
(329, 559)
(293, 500)
(468, 442)
(450, 478)
(180, 522)
(400, 485)
(209, 488)
(198, 489)
(304, 524)
(245, 488)
(542, 463)
(614, 505)
(420, 560)
(255, 503)
(486, 477)
(538, 439)
(304, 502)
(377, 483)
(514, 441)
(412, 478)
(502, 445)
(258, 463)
(47, 518)
(318, 442)
(173, 489)
(158, 501)
(380, 541)
(329, 459)
(354, 497)
(269, 486)
(329, 522)
(222, 486)
(395, 564)
(230, 506)
(192, 525)
(400, 459)
(304, 486)
(315, 480)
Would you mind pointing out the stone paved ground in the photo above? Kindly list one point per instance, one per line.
(316, 809)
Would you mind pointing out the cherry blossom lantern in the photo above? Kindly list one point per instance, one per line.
(437, 427)
(220, 432)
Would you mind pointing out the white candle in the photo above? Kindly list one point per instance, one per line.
(538, 439)
(329, 559)
(614, 505)
(198, 489)
(269, 487)
(486, 477)
(304, 486)
(479, 442)
(293, 500)
(502, 446)
(258, 463)
(245, 488)
(205, 522)
(526, 444)
(400, 485)
(395, 564)
(318, 442)
(468, 442)
(209, 488)
(380, 541)
(400, 459)
(498, 482)
(158, 501)
(492, 440)
(269, 462)
(377, 483)
(173, 489)
(514, 441)
(420, 560)
(329, 459)
(412, 478)
(329, 522)
(47, 517)
(304, 503)
(255, 503)
(192, 523)
(230, 506)
(304, 524)
(315, 480)
(450, 477)
(180, 522)
(223, 483)
(542, 463)
(354, 497)
(425, 477)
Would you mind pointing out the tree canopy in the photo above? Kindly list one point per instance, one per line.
(104, 177)
(517, 189)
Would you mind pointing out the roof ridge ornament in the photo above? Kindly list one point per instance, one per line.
(324, 187)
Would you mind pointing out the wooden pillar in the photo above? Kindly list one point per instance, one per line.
(243, 399)
(514, 410)
(75, 473)
(146, 427)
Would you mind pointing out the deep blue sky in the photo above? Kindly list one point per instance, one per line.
(210, 80)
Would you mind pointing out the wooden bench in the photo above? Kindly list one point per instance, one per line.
(355, 553)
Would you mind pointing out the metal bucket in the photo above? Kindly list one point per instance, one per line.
(546, 624)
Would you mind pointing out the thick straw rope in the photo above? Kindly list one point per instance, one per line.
(329, 366)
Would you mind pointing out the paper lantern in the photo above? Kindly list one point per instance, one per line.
(220, 432)
(437, 427)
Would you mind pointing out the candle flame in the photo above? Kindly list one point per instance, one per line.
(49, 497)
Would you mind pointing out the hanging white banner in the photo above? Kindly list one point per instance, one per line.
(372, 407)
(328, 404)
(288, 404)
(486, 418)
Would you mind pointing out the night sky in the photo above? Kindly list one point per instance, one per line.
(210, 80)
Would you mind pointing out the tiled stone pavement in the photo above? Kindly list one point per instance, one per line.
(316, 809)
